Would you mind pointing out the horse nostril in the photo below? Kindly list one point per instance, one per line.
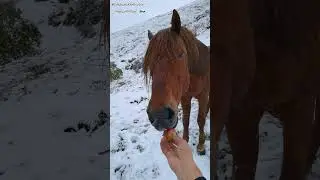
(170, 113)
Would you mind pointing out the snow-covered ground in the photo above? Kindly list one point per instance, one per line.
(42, 97)
(53, 38)
(135, 150)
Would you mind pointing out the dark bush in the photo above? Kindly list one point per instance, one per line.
(19, 37)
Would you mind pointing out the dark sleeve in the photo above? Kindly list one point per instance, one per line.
(201, 178)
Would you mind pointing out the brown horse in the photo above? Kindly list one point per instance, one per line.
(179, 67)
(266, 56)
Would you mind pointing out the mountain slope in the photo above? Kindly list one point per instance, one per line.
(135, 150)
(43, 97)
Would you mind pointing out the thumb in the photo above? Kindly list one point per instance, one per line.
(166, 148)
(177, 140)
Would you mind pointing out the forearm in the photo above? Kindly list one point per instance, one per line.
(191, 173)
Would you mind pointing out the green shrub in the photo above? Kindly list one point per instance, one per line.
(19, 37)
(115, 72)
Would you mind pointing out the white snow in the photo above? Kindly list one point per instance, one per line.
(33, 144)
(141, 157)
(127, 13)
(53, 38)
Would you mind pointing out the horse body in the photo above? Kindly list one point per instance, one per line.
(200, 75)
(266, 58)
(179, 65)
(199, 88)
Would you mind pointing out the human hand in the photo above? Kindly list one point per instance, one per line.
(179, 156)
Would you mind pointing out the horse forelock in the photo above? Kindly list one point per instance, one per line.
(165, 43)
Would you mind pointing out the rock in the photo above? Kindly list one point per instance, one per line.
(137, 66)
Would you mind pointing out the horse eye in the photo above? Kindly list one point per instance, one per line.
(181, 55)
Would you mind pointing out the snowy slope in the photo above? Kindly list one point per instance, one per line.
(40, 97)
(53, 38)
(135, 150)
(122, 16)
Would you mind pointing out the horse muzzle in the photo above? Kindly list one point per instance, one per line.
(164, 118)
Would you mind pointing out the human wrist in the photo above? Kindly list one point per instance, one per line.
(191, 173)
(197, 172)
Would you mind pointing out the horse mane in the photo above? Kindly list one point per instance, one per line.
(164, 42)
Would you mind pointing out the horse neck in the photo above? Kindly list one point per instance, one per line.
(202, 64)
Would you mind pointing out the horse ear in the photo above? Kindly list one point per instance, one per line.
(175, 22)
(150, 35)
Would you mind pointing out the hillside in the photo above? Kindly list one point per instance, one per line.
(43, 97)
(135, 150)
(54, 107)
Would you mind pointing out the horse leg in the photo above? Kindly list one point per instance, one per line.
(202, 114)
(242, 129)
(186, 106)
(297, 117)
(315, 136)
(214, 145)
